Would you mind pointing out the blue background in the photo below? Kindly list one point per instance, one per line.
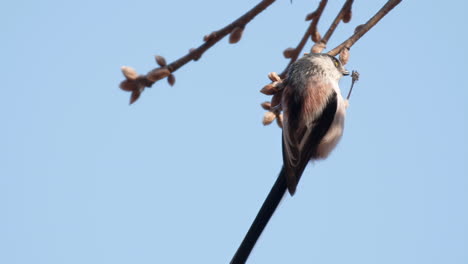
(179, 176)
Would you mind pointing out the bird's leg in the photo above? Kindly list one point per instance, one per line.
(355, 77)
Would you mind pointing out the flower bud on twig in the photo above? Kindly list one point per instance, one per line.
(236, 35)
(269, 89)
(129, 72)
(160, 60)
(318, 47)
(274, 77)
(128, 85)
(316, 36)
(268, 118)
(347, 16)
(289, 52)
(344, 55)
(266, 106)
(171, 79)
(358, 28)
(135, 95)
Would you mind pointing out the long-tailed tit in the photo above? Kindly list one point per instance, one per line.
(313, 113)
(313, 119)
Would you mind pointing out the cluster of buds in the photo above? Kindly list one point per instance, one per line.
(275, 88)
(133, 83)
(136, 83)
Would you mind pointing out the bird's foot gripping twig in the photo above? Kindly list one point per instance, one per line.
(355, 78)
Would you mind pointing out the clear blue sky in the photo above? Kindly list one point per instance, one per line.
(179, 176)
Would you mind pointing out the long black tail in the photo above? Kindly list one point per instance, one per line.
(261, 220)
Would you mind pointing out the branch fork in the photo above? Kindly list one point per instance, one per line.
(137, 85)
(320, 44)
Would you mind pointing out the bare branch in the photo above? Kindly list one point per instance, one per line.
(366, 27)
(152, 76)
(136, 84)
(345, 16)
(218, 35)
(346, 9)
(311, 31)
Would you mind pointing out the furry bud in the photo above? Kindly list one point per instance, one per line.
(236, 35)
(318, 47)
(129, 72)
(316, 36)
(171, 79)
(266, 105)
(158, 74)
(128, 85)
(268, 118)
(160, 60)
(347, 16)
(358, 28)
(344, 55)
(135, 95)
(274, 77)
(289, 52)
(196, 57)
(269, 89)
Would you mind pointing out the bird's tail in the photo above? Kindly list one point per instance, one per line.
(261, 220)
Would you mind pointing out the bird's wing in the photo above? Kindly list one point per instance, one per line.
(303, 130)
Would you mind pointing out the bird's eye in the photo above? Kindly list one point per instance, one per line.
(336, 63)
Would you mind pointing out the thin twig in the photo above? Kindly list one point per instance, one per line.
(218, 35)
(137, 85)
(310, 30)
(346, 8)
(366, 27)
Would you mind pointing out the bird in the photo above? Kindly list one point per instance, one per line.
(313, 123)
(313, 113)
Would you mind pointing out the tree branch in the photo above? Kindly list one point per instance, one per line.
(361, 30)
(344, 14)
(216, 36)
(136, 83)
(311, 31)
(274, 108)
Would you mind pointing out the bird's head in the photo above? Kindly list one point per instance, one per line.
(327, 64)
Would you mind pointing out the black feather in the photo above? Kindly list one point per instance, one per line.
(320, 127)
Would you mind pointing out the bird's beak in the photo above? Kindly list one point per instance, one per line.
(345, 72)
